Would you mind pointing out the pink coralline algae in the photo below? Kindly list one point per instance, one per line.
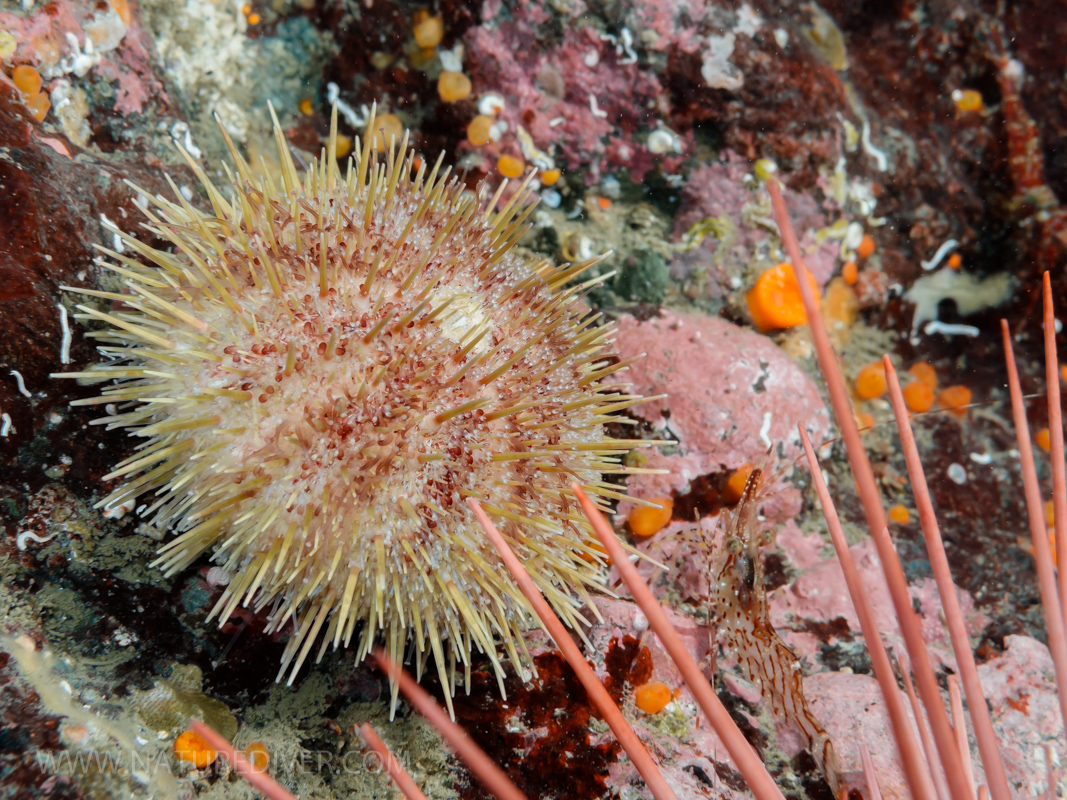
(732, 394)
(581, 98)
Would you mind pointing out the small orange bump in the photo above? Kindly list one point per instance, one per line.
(775, 301)
(429, 31)
(918, 396)
(478, 130)
(866, 246)
(38, 105)
(955, 398)
(510, 166)
(27, 79)
(122, 8)
(306, 107)
(453, 86)
(604, 203)
(344, 145)
(550, 176)
(652, 697)
(190, 747)
(850, 272)
(899, 514)
(955, 261)
(253, 19)
(1063, 372)
(246, 9)
(870, 382)
(735, 484)
(924, 371)
(257, 755)
(645, 521)
(1043, 439)
(1050, 513)
(864, 420)
(967, 100)
(392, 128)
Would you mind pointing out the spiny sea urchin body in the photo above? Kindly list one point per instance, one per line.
(323, 371)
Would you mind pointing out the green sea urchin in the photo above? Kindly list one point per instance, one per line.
(323, 371)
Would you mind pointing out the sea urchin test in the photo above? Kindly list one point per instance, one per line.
(323, 370)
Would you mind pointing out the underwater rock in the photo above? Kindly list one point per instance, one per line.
(732, 395)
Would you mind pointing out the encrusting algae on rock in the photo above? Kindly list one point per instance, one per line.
(323, 372)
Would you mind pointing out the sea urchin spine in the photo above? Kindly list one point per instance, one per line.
(324, 370)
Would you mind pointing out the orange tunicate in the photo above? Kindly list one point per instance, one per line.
(190, 747)
(550, 176)
(344, 145)
(899, 514)
(735, 484)
(478, 130)
(38, 105)
(429, 31)
(510, 166)
(866, 246)
(955, 398)
(870, 382)
(27, 79)
(453, 86)
(864, 420)
(967, 100)
(924, 372)
(652, 697)
(1050, 513)
(955, 261)
(775, 301)
(850, 272)
(257, 755)
(918, 396)
(645, 521)
(392, 128)
(1043, 439)
(1063, 372)
(306, 107)
(604, 203)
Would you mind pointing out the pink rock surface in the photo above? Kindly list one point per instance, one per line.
(1020, 686)
(732, 394)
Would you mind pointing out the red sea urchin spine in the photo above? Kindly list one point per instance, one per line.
(323, 370)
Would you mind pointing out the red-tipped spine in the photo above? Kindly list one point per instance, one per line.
(747, 760)
(1046, 581)
(483, 768)
(594, 688)
(910, 756)
(258, 780)
(872, 505)
(1055, 428)
(400, 777)
(957, 629)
